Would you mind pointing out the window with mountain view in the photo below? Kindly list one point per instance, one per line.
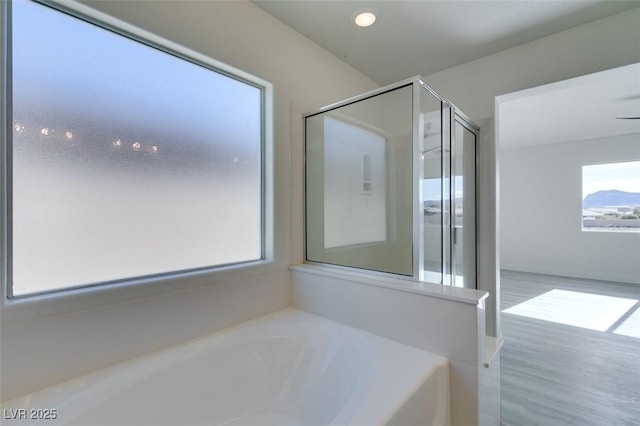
(611, 197)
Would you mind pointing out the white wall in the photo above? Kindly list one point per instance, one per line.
(46, 350)
(541, 212)
(353, 215)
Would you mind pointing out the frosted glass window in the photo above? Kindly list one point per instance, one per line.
(126, 161)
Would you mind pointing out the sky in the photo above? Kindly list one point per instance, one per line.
(431, 188)
(623, 176)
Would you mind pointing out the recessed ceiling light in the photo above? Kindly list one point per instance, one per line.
(365, 19)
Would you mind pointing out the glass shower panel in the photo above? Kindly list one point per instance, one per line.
(359, 183)
(391, 185)
(464, 201)
(431, 185)
(447, 189)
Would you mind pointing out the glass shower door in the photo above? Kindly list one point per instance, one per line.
(431, 136)
(463, 198)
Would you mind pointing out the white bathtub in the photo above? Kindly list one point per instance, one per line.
(286, 368)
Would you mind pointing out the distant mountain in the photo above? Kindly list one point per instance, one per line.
(612, 197)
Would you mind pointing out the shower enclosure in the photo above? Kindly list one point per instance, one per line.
(391, 185)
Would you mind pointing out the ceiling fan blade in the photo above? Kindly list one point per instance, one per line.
(629, 98)
(627, 118)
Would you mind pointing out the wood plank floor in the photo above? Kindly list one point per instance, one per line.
(554, 374)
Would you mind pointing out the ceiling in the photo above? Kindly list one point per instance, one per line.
(571, 110)
(423, 37)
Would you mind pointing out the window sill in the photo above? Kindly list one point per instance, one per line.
(65, 301)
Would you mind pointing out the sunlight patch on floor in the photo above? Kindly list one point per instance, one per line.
(585, 310)
(630, 326)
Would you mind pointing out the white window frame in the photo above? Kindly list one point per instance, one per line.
(40, 305)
